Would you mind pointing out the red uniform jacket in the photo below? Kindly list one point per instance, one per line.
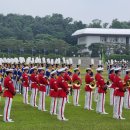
(42, 82)
(75, 77)
(67, 77)
(126, 78)
(112, 77)
(100, 83)
(88, 80)
(9, 88)
(62, 87)
(118, 87)
(96, 78)
(25, 80)
(0, 88)
(53, 87)
(34, 80)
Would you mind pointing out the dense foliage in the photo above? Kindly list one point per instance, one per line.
(24, 34)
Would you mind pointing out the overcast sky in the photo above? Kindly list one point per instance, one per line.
(84, 10)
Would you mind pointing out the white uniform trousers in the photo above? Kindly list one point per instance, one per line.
(53, 105)
(100, 103)
(96, 94)
(88, 100)
(111, 96)
(33, 97)
(41, 104)
(76, 97)
(61, 108)
(127, 100)
(117, 109)
(67, 98)
(7, 109)
(25, 95)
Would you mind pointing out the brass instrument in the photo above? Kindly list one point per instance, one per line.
(77, 83)
(70, 87)
(92, 85)
(69, 84)
(128, 83)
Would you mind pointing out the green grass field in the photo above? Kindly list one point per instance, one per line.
(28, 118)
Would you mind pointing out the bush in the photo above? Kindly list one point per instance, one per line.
(120, 57)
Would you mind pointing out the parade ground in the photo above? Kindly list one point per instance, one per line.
(29, 118)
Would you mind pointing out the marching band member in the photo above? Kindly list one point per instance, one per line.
(127, 93)
(96, 89)
(62, 93)
(69, 81)
(34, 86)
(112, 87)
(118, 95)
(9, 93)
(102, 86)
(0, 94)
(19, 76)
(88, 91)
(76, 86)
(53, 92)
(25, 85)
(15, 77)
(42, 80)
(47, 73)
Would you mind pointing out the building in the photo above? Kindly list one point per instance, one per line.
(88, 36)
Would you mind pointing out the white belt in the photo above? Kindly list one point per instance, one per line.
(41, 84)
(116, 88)
(33, 82)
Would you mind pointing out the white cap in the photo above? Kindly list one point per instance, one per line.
(61, 70)
(43, 60)
(76, 69)
(117, 69)
(88, 69)
(63, 59)
(33, 68)
(9, 70)
(53, 72)
(66, 68)
(26, 68)
(52, 61)
(100, 69)
(112, 68)
(48, 60)
(41, 68)
(112, 61)
(0, 63)
(128, 70)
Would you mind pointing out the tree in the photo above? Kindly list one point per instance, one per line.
(96, 23)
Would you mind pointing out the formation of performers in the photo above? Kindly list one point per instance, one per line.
(59, 80)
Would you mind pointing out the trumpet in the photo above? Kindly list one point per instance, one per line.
(92, 85)
(77, 83)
